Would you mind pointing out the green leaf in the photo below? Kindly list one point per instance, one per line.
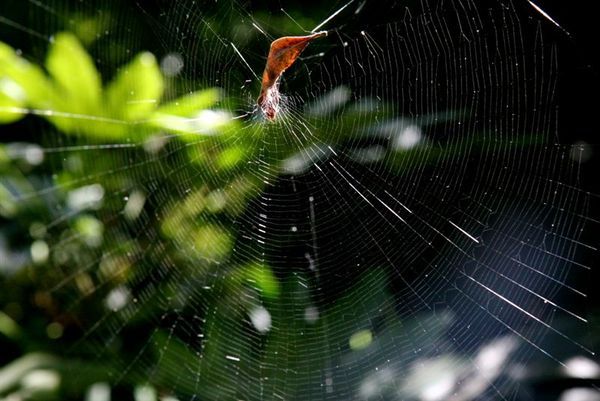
(136, 90)
(361, 339)
(12, 101)
(74, 74)
(184, 115)
(191, 104)
(39, 93)
(9, 328)
(231, 157)
(262, 278)
(206, 122)
(211, 242)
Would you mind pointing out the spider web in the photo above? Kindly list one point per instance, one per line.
(409, 227)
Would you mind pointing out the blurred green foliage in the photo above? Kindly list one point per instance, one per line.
(70, 223)
(94, 230)
(71, 96)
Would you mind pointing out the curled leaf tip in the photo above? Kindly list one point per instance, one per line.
(282, 54)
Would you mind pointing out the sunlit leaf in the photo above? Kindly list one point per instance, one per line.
(361, 339)
(262, 278)
(191, 104)
(8, 327)
(203, 123)
(37, 89)
(211, 242)
(231, 157)
(188, 114)
(11, 106)
(137, 89)
(90, 229)
(74, 73)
